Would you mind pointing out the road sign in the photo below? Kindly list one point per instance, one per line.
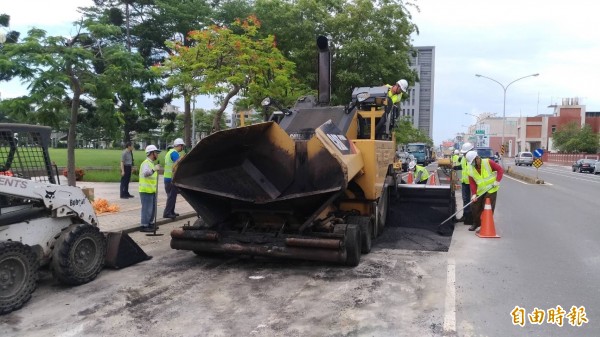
(537, 162)
(538, 153)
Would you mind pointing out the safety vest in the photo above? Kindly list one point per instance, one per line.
(169, 165)
(485, 179)
(148, 184)
(464, 171)
(395, 97)
(455, 160)
(424, 174)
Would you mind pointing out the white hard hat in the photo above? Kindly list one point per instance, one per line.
(403, 85)
(466, 148)
(471, 155)
(151, 148)
(455, 151)
(178, 141)
(411, 165)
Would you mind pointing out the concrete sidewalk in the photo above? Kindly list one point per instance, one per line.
(129, 215)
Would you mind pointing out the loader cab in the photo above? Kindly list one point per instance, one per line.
(376, 114)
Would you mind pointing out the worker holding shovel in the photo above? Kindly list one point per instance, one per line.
(484, 179)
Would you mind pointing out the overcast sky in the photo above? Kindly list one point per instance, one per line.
(502, 40)
(506, 40)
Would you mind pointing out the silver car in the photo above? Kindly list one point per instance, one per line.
(597, 167)
(524, 158)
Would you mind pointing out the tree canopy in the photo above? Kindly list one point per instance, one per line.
(573, 138)
(105, 66)
(407, 133)
(223, 63)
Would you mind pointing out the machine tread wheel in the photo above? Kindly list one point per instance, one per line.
(366, 229)
(79, 254)
(18, 275)
(352, 242)
(382, 211)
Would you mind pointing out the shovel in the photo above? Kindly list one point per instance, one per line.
(465, 206)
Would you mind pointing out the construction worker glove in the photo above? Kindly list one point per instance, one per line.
(474, 198)
(156, 167)
(496, 183)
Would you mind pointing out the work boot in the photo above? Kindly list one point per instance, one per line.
(473, 227)
(461, 219)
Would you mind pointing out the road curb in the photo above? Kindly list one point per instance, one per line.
(523, 177)
(136, 227)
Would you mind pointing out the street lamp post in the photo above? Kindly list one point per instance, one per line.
(504, 88)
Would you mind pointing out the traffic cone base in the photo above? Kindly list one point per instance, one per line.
(488, 230)
(410, 177)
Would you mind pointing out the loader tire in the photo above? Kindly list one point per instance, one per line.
(78, 255)
(352, 242)
(366, 229)
(18, 275)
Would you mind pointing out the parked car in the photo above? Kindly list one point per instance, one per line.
(524, 158)
(486, 152)
(584, 165)
(597, 167)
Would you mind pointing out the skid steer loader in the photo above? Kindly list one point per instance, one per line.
(43, 223)
(314, 185)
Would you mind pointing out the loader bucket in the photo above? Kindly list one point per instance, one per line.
(257, 168)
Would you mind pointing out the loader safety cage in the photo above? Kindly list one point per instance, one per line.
(24, 153)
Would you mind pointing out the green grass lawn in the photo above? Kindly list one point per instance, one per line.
(85, 158)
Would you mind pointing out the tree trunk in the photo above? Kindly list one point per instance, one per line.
(72, 132)
(219, 115)
(187, 120)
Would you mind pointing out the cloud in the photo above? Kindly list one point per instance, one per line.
(42, 13)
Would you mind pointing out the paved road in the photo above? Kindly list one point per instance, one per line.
(548, 256)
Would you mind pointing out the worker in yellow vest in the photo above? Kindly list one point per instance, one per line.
(421, 173)
(467, 217)
(395, 91)
(148, 188)
(170, 158)
(484, 180)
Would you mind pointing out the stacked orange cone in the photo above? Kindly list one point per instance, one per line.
(410, 177)
(488, 230)
(432, 179)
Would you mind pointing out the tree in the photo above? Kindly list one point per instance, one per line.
(171, 20)
(137, 91)
(370, 40)
(572, 138)
(406, 133)
(225, 64)
(62, 72)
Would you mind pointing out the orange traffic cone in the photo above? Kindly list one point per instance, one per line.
(410, 177)
(432, 179)
(488, 230)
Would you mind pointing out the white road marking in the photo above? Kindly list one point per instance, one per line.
(450, 305)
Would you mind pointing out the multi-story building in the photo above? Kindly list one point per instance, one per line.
(419, 106)
(536, 132)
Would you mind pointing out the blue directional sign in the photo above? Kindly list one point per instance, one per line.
(538, 153)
